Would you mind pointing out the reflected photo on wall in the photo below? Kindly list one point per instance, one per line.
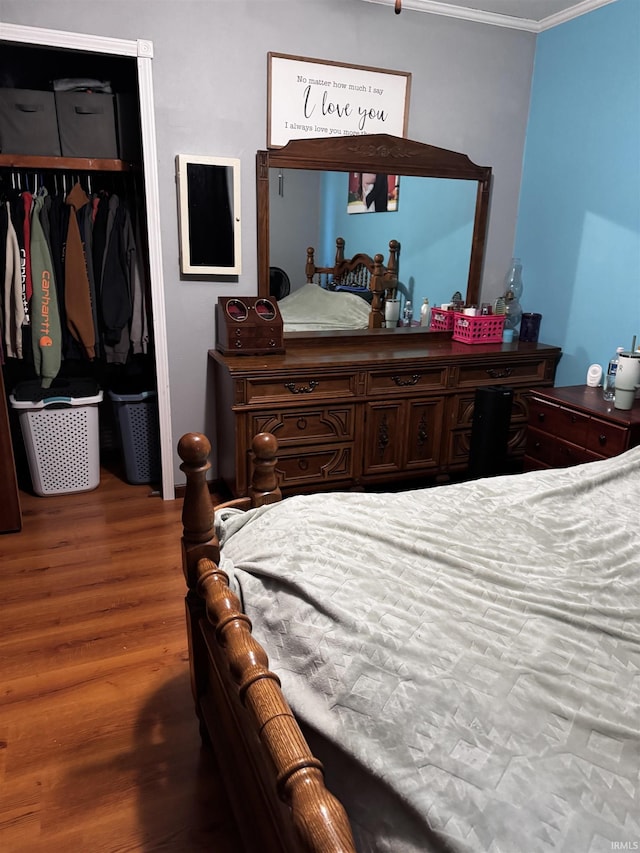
(372, 193)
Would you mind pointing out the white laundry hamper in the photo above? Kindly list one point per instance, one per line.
(62, 441)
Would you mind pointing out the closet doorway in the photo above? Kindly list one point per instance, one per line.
(140, 54)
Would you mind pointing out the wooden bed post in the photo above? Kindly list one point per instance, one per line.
(316, 821)
(377, 287)
(310, 266)
(264, 487)
(198, 531)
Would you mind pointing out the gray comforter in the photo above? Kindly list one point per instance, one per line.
(469, 654)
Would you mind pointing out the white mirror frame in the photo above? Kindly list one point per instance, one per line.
(183, 161)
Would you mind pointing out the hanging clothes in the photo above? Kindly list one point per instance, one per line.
(139, 325)
(86, 249)
(27, 201)
(46, 331)
(13, 303)
(115, 297)
(77, 299)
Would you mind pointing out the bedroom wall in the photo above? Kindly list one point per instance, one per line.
(578, 228)
(470, 93)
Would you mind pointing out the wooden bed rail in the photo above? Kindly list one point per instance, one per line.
(319, 820)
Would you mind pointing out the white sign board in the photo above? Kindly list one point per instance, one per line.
(310, 98)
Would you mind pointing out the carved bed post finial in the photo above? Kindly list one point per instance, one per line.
(310, 266)
(339, 251)
(377, 287)
(264, 487)
(198, 527)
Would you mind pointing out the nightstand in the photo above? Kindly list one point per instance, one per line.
(571, 425)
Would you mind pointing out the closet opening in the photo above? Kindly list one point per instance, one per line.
(76, 311)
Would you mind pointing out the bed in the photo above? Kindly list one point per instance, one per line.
(463, 660)
(348, 295)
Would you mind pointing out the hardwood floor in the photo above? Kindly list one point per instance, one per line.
(99, 744)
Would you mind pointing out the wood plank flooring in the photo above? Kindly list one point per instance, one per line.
(99, 744)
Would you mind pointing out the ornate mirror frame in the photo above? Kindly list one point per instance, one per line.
(378, 153)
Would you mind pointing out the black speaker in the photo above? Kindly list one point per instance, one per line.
(490, 431)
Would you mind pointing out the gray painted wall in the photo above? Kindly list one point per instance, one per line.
(470, 93)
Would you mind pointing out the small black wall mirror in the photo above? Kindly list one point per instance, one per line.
(209, 214)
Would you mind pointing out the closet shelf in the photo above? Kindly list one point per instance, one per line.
(75, 164)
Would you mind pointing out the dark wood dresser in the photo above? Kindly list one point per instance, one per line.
(351, 413)
(571, 425)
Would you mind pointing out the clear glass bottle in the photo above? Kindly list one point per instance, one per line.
(609, 379)
(407, 314)
(513, 279)
(513, 310)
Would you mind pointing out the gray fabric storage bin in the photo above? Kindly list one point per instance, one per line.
(28, 123)
(128, 127)
(87, 125)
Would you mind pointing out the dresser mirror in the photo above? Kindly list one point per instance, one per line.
(440, 219)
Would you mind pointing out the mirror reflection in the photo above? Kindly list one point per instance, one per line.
(432, 201)
(433, 220)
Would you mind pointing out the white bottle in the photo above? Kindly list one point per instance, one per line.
(407, 316)
(425, 313)
(609, 379)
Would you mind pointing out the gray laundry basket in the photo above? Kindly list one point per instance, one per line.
(139, 431)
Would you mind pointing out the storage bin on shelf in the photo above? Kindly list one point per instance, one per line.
(139, 431)
(481, 329)
(61, 437)
(441, 320)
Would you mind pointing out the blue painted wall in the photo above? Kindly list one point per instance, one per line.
(578, 229)
(434, 222)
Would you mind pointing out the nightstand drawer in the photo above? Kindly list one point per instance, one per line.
(549, 450)
(541, 446)
(305, 425)
(560, 422)
(606, 439)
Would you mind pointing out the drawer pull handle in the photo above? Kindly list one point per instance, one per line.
(402, 383)
(499, 374)
(574, 419)
(301, 423)
(301, 389)
(303, 464)
(541, 417)
(602, 439)
(537, 445)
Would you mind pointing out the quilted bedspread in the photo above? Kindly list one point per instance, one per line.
(474, 648)
(312, 308)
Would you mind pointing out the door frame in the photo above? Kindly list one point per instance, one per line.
(143, 52)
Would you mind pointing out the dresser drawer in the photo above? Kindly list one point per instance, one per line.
(389, 381)
(563, 423)
(306, 425)
(530, 371)
(462, 406)
(606, 439)
(296, 388)
(313, 466)
(549, 450)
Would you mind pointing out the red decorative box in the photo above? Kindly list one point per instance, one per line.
(482, 329)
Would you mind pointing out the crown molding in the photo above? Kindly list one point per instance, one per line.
(450, 10)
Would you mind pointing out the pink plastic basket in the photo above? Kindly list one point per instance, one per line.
(484, 329)
(441, 320)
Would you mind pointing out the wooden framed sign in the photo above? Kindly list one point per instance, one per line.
(310, 98)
